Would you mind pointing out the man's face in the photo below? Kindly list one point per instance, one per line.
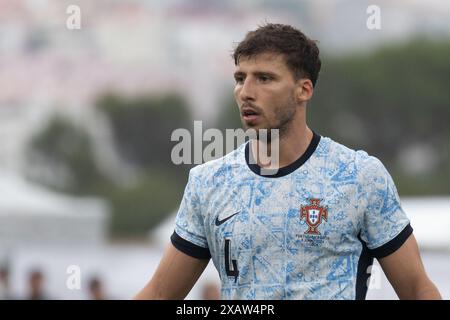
(264, 92)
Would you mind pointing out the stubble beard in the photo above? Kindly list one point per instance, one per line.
(284, 116)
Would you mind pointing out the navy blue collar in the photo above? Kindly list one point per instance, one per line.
(289, 168)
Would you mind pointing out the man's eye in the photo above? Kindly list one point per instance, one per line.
(239, 79)
(264, 78)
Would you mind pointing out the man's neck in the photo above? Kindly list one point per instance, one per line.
(291, 146)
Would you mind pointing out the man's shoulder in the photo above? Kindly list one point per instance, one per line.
(220, 166)
(361, 160)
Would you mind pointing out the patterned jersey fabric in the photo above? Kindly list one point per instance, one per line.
(308, 232)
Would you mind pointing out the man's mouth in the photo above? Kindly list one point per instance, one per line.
(249, 115)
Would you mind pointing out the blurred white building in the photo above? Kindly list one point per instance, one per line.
(32, 215)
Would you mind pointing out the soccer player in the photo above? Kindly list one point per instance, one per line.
(311, 230)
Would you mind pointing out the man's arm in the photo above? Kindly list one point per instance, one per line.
(175, 276)
(405, 272)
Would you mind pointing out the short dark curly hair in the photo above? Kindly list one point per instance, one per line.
(301, 53)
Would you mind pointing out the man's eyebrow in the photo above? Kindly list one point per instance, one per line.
(257, 74)
(265, 73)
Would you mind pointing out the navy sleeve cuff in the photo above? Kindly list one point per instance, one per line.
(393, 245)
(189, 248)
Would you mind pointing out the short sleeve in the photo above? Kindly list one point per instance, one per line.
(385, 226)
(189, 234)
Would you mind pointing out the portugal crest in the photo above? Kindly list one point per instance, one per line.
(314, 213)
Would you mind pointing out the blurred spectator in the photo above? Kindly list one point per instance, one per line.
(4, 284)
(35, 286)
(96, 289)
(211, 291)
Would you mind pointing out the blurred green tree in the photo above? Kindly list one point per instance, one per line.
(61, 157)
(228, 116)
(142, 126)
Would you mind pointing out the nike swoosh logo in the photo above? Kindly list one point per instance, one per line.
(219, 222)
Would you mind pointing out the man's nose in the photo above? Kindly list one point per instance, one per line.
(247, 91)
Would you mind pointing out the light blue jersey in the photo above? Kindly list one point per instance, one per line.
(309, 232)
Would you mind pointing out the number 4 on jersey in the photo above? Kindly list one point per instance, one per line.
(230, 272)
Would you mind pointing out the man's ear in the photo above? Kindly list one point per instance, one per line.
(304, 90)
